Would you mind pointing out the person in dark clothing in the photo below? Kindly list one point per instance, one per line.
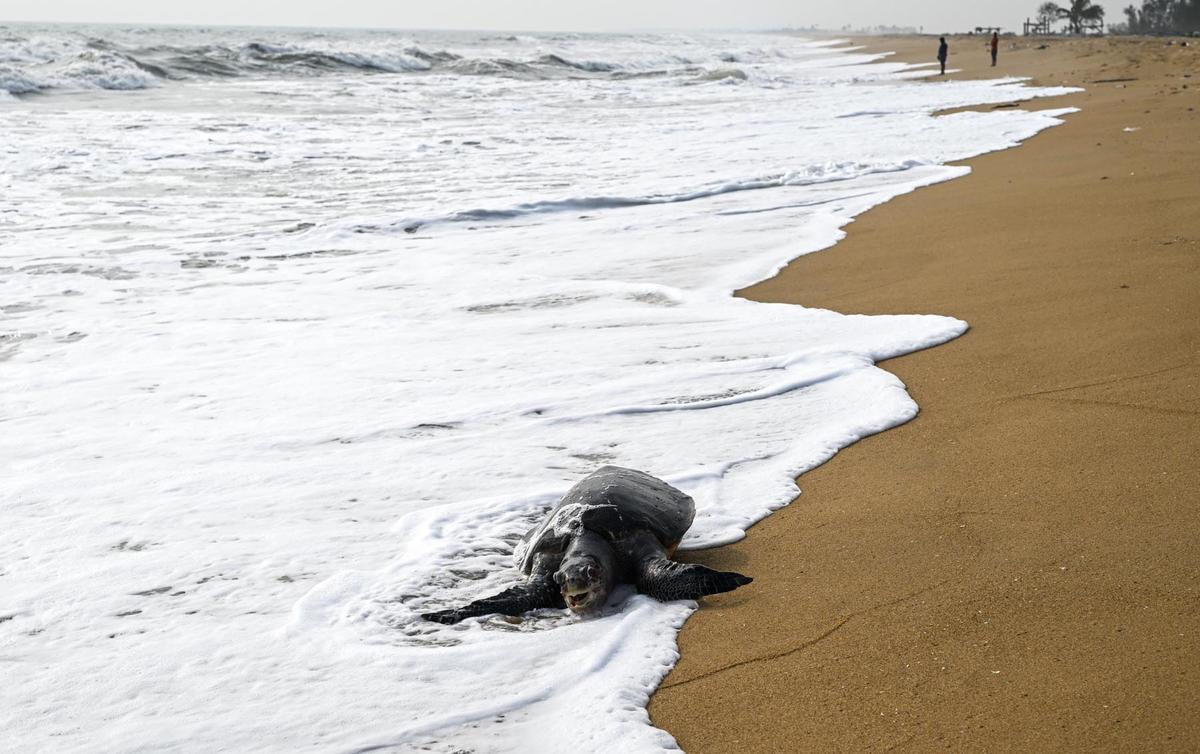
(943, 51)
(995, 46)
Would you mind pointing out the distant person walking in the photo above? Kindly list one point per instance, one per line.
(943, 51)
(995, 46)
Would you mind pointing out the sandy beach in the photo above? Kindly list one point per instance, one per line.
(1015, 568)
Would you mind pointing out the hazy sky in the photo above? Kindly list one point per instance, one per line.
(531, 15)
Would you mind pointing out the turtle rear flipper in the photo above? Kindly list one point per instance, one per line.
(667, 580)
(531, 595)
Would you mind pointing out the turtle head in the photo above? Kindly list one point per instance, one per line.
(584, 583)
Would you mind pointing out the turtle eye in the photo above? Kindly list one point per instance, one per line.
(558, 577)
(591, 572)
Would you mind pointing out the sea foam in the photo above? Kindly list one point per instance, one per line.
(289, 360)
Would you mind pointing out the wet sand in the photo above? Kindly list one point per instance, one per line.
(1019, 566)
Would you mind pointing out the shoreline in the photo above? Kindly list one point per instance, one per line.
(1015, 567)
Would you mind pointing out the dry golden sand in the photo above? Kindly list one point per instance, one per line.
(1018, 567)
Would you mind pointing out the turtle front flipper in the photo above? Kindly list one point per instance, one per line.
(531, 595)
(667, 580)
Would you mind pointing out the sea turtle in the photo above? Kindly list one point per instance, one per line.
(615, 526)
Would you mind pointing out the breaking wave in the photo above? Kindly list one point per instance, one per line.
(37, 63)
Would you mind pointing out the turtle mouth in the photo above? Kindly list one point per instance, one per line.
(577, 599)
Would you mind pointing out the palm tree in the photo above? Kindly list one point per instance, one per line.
(1080, 12)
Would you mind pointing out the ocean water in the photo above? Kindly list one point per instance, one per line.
(300, 330)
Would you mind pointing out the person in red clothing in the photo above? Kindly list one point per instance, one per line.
(995, 46)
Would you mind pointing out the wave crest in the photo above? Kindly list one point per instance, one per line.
(813, 174)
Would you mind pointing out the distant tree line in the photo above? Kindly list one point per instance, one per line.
(1162, 17)
(1154, 17)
